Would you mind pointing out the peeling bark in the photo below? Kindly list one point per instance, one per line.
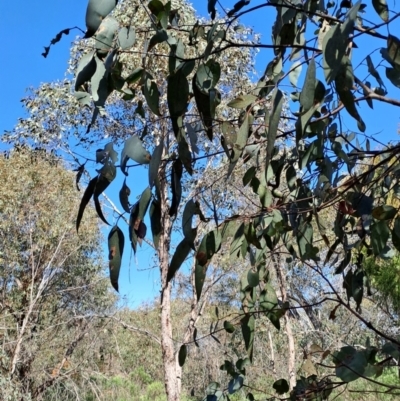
(291, 361)
(172, 388)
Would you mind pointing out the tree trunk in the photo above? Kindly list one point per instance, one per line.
(167, 344)
(291, 361)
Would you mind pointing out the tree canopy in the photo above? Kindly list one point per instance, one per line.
(262, 169)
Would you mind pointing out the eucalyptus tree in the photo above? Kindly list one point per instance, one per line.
(183, 85)
(52, 283)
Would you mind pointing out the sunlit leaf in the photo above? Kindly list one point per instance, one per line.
(126, 37)
(133, 149)
(95, 13)
(242, 102)
(248, 327)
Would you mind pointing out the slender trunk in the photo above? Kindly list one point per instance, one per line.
(167, 344)
(195, 315)
(291, 361)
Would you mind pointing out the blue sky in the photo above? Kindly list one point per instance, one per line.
(28, 26)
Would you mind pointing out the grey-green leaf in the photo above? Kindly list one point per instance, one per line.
(105, 35)
(152, 96)
(155, 220)
(181, 253)
(242, 102)
(134, 149)
(85, 70)
(96, 11)
(124, 197)
(381, 8)
(116, 242)
(126, 37)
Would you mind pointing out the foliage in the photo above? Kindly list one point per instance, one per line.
(51, 282)
(177, 92)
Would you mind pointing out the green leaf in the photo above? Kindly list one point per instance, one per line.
(183, 148)
(123, 197)
(381, 8)
(344, 83)
(235, 384)
(182, 355)
(116, 242)
(155, 164)
(85, 70)
(181, 253)
(211, 8)
(127, 37)
(141, 208)
(358, 286)
(85, 200)
(177, 93)
(176, 186)
(107, 174)
(393, 50)
(188, 212)
(96, 11)
(281, 386)
(275, 117)
(135, 75)
(335, 42)
(155, 221)
(242, 102)
(249, 175)
(305, 239)
(99, 84)
(152, 96)
(393, 74)
(308, 90)
(203, 103)
(248, 326)
(350, 363)
(268, 299)
(159, 37)
(133, 149)
(379, 236)
(391, 349)
(295, 71)
(210, 244)
(384, 212)
(83, 98)
(253, 278)
(240, 143)
(229, 327)
(373, 71)
(105, 36)
(156, 7)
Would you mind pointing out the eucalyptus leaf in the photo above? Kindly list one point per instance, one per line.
(116, 242)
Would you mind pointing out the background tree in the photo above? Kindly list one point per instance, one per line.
(52, 282)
